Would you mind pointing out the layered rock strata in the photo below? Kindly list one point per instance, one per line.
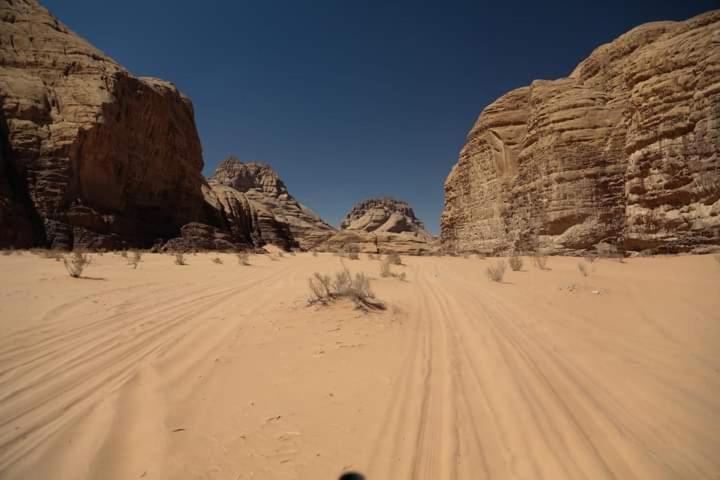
(382, 225)
(625, 151)
(92, 156)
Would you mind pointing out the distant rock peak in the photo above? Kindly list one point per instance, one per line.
(384, 214)
(248, 176)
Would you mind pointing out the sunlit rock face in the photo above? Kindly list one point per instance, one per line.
(382, 225)
(253, 199)
(625, 151)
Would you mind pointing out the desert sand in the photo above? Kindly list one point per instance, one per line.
(219, 371)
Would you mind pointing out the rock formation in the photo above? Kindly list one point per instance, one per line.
(626, 150)
(92, 156)
(381, 225)
(275, 216)
(384, 215)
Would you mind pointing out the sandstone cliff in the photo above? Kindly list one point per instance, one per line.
(626, 150)
(92, 155)
(252, 198)
(381, 225)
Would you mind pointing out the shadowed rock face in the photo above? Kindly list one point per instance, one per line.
(251, 197)
(626, 151)
(98, 157)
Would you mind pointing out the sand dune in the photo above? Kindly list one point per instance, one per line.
(218, 371)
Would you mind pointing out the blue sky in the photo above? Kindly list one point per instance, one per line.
(348, 100)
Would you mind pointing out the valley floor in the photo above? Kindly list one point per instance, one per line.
(221, 371)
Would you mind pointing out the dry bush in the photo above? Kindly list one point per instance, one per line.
(516, 263)
(180, 259)
(292, 253)
(607, 250)
(243, 258)
(372, 256)
(583, 269)
(345, 285)
(540, 261)
(353, 256)
(496, 272)
(465, 255)
(314, 253)
(280, 254)
(590, 258)
(76, 263)
(47, 253)
(386, 270)
(135, 259)
(123, 254)
(394, 259)
(52, 254)
(217, 260)
(7, 252)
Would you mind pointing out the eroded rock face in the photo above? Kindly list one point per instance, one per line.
(381, 225)
(254, 194)
(98, 157)
(384, 215)
(380, 242)
(625, 151)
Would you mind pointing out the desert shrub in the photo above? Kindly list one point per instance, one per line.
(314, 253)
(589, 258)
(356, 288)
(496, 272)
(135, 259)
(319, 287)
(372, 256)
(280, 254)
(540, 261)
(7, 252)
(385, 270)
(243, 258)
(394, 259)
(217, 260)
(353, 256)
(124, 254)
(76, 263)
(292, 253)
(583, 269)
(465, 255)
(47, 253)
(516, 263)
(180, 259)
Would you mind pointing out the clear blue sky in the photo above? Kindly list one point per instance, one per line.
(352, 99)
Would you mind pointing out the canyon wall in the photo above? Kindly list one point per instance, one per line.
(624, 151)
